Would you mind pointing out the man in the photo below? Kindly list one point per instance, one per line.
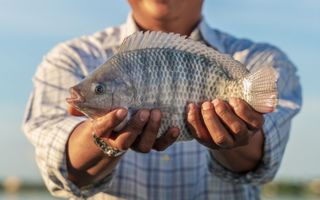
(236, 148)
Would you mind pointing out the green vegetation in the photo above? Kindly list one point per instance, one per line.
(292, 188)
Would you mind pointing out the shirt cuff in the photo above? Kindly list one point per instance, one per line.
(265, 170)
(57, 166)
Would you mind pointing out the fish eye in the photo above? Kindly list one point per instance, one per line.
(99, 89)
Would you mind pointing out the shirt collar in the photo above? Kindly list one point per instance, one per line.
(202, 31)
(131, 25)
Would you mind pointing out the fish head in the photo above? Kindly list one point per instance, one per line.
(100, 93)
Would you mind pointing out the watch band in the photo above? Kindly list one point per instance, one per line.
(106, 149)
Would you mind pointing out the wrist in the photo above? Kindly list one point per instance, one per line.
(86, 163)
(242, 159)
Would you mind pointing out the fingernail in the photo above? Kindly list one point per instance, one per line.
(121, 113)
(215, 102)
(156, 115)
(234, 102)
(144, 115)
(190, 107)
(206, 106)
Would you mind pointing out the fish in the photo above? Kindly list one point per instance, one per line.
(166, 71)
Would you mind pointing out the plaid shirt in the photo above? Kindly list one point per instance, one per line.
(186, 170)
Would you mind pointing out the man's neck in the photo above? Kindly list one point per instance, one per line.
(181, 26)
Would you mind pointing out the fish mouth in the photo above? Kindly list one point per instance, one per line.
(75, 97)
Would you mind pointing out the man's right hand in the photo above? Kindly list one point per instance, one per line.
(87, 163)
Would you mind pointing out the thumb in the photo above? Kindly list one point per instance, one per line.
(104, 125)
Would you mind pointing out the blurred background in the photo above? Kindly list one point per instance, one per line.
(29, 29)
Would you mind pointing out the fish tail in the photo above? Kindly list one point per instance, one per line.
(260, 89)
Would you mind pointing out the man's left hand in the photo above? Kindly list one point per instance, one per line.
(224, 125)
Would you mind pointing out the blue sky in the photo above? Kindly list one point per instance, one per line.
(31, 28)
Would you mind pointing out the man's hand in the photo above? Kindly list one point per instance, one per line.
(86, 162)
(229, 129)
(140, 133)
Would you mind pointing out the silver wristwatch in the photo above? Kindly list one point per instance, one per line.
(108, 150)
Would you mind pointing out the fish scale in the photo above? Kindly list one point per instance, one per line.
(163, 71)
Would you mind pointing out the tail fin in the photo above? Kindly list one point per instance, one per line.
(260, 89)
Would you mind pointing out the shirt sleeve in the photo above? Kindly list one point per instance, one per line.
(277, 124)
(47, 123)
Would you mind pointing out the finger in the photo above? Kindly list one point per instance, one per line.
(216, 129)
(147, 138)
(253, 118)
(125, 138)
(73, 111)
(236, 126)
(104, 125)
(195, 123)
(166, 139)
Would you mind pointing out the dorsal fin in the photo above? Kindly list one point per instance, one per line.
(157, 39)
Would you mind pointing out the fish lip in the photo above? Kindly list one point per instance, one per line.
(75, 97)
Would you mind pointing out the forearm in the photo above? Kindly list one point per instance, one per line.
(244, 158)
(85, 161)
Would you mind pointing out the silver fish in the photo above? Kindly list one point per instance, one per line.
(166, 71)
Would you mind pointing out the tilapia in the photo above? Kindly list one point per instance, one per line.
(167, 71)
